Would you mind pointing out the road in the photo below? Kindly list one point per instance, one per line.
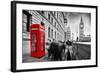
(78, 51)
(82, 51)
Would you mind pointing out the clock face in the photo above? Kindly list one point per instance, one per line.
(81, 26)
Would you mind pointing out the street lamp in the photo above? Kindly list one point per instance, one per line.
(77, 37)
(77, 44)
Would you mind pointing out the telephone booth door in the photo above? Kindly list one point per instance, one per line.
(37, 40)
(34, 42)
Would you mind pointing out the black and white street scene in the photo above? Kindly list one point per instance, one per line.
(67, 35)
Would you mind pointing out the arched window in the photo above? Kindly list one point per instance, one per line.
(52, 33)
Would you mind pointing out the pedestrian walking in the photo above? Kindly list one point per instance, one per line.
(62, 51)
(69, 50)
(54, 52)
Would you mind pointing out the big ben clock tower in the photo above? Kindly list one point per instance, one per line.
(81, 30)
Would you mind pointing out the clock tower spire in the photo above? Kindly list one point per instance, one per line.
(81, 20)
(81, 29)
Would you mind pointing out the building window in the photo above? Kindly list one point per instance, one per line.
(49, 17)
(27, 20)
(55, 24)
(52, 33)
(49, 32)
(52, 20)
(24, 22)
(57, 15)
(65, 20)
(57, 27)
(55, 34)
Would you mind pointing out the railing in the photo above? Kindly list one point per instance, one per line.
(87, 43)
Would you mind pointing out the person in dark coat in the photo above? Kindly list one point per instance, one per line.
(56, 52)
(53, 51)
(50, 50)
(62, 51)
(69, 43)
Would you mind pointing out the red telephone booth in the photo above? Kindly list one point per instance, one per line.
(37, 40)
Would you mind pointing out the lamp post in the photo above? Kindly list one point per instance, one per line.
(77, 44)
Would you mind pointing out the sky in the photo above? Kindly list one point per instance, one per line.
(74, 19)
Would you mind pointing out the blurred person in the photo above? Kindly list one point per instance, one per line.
(62, 48)
(68, 51)
(68, 55)
(53, 52)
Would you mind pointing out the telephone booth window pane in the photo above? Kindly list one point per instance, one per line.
(42, 41)
(34, 42)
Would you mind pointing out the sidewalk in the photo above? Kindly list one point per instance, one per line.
(27, 58)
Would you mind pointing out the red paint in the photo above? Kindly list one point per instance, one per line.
(37, 40)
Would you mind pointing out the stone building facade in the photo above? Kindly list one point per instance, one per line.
(53, 21)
